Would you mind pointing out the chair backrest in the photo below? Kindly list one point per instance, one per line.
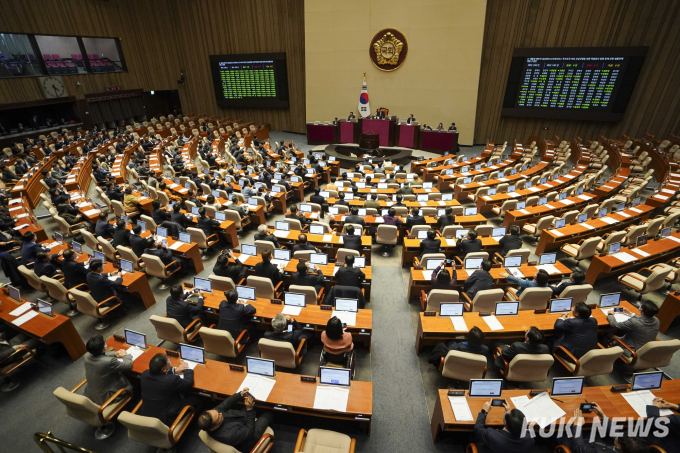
(657, 278)
(450, 230)
(342, 253)
(263, 286)
(543, 223)
(108, 249)
(221, 283)
(33, 279)
(146, 430)
(154, 266)
(149, 221)
(588, 247)
(485, 300)
(579, 293)
(293, 224)
(264, 245)
(439, 257)
(654, 226)
(217, 341)
(168, 329)
(85, 303)
(387, 234)
(524, 253)
(55, 289)
(598, 361)
(484, 230)
(464, 366)
(90, 240)
(656, 354)
(534, 298)
(484, 255)
(126, 253)
(79, 407)
(303, 254)
(530, 367)
(438, 296)
(281, 352)
(309, 292)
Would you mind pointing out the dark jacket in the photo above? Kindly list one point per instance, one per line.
(183, 311)
(235, 271)
(207, 224)
(518, 347)
(46, 268)
(429, 246)
(28, 252)
(159, 216)
(104, 229)
(349, 276)
(479, 280)
(161, 392)
(466, 246)
(238, 427)
(180, 218)
(268, 270)
(412, 220)
(74, 273)
(351, 242)
(578, 335)
(445, 220)
(101, 288)
(492, 440)
(234, 317)
(356, 220)
(510, 242)
(138, 244)
(303, 220)
(557, 290)
(164, 254)
(121, 237)
(671, 442)
(437, 285)
(293, 337)
(266, 237)
(315, 280)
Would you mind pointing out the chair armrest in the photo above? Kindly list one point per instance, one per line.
(189, 412)
(105, 301)
(193, 324)
(263, 439)
(212, 235)
(352, 445)
(75, 389)
(128, 397)
(77, 286)
(165, 269)
(562, 349)
(460, 261)
(464, 294)
(300, 443)
(471, 448)
(298, 357)
(635, 277)
(416, 261)
(319, 298)
(497, 258)
(624, 346)
(237, 343)
(441, 364)
(423, 299)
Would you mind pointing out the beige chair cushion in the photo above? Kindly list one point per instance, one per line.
(79, 407)
(633, 282)
(571, 249)
(281, 352)
(598, 361)
(324, 441)
(146, 430)
(530, 367)
(464, 366)
(656, 354)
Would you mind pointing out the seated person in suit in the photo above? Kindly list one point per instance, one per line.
(540, 280)
(130, 200)
(235, 315)
(414, 219)
(232, 269)
(172, 197)
(7, 175)
(511, 241)
(113, 193)
(452, 127)
(341, 200)
(443, 279)
(355, 218)
(399, 201)
(406, 190)
(121, 235)
(336, 341)
(430, 244)
(30, 248)
(158, 214)
(391, 218)
(576, 278)
(509, 439)
(264, 235)
(469, 244)
(164, 392)
(101, 288)
(167, 257)
(316, 197)
(349, 275)
(447, 219)
(350, 240)
(266, 269)
(280, 332)
(533, 344)
(194, 199)
(298, 216)
(179, 217)
(234, 206)
(670, 442)
(104, 370)
(137, 243)
(474, 344)
(233, 425)
(206, 223)
(103, 228)
(373, 203)
(578, 333)
(74, 272)
(480, 279)
(640, 330)
(46, 265)
(303, 244)
(303, 278)
(177, 307)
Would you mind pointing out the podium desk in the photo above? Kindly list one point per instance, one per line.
(59, 329)
(321, 134)
(614, 405)
(289, 394)
(383, 128)
(439, 141)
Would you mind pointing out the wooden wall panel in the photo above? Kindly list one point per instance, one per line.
(655, 104)
(160, 39)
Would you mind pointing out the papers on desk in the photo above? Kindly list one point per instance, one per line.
(15, 201)
(496, 238)
(172, 186)
(347, 317)
(18, 187)
(459, 323)
(503, 179)
(25, 317)
(493, 322)
(584, 197)
(313, 215)
(281, 234)
(623, 214)
(291, 310)
(243, 258)
(423, 203)
(513, 194)
(609, 220)
(378, 220)
(113, 279)
(587, 226)
(461, 185)
(549, 268)
(176, 245)
(625, 257)
(331, 398)
(549, 206)
(191, 365)
(557, 232)
(469, 272)
(335, 270)
(258, 386)
(640, 252)
(327, 238)
(668, 191)
(672, 238)
(524, 211)
(660, 197)
(451, 242)
(92, 212)
(21, 216)
(21, 309)
(460, 408)
(426, 190)
(515, 272)
(486, 198)
(640, 400)
(135, 352)
(541, 409)
(18, 208)
(619, 317)
(21, 227)
(341, 240)
(635, 210)
(534, 189)
(427, 275)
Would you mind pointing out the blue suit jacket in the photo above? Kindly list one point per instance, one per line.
(28, 252)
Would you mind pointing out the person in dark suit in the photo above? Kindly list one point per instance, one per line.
(350, 240)
(469, 244)
(576, 278)
(414, 219)
(30, 248)
(452, 128)
(46, 265)
(316, 197)
(235, 315)
(103, 228)
(101, 288)
(410, 119)
(349, 275)
(232, 425)
(179, 217)
(447, 219)
(280, 332)
(640, 330)
(509, 439)
(533, 344)
(20, 167)
(113, 193)
(207, 224)
(341, 200)
(579, 334)
(430, 244)
(303, 278)
(232, 269)
(7, 175)
(294, 215)
(303, 245)
(671, 442)
(74, 272)
(473, 344)
(137, 243)
(159, 215)
(264, 235)
(480, 280)
(511, 241)
(164, 392)
(104, 370)
(167, 257)
(355, 218)
(351, 116)
(177, 307)
(268, 270)
(121, 235)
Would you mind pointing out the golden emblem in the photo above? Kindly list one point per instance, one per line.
(387, 49)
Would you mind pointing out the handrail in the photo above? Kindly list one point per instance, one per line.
(44, 440)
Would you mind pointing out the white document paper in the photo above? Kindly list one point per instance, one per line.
(623, 214)
(486, 198)
(347, 317)
(21, 227)
(25, 317)
(243, 258)
(327, 238)
(587, 226)
(567, 202)
(514, 194)
(640, 252)
(258, 386)
(625, 257)
(609, 220)
(672, 238)
(460, 408)
(441, 203)
(640, 400)
(493, 322)
(427, 275)
(331, 398)
(496, 238)
(557, 233)
(176, 245)
(524, 211)
(534, 189)
(21, 309)
(291, 310)
(549, 268)
(378, 220)
(281, 234)
(335, 270)
(619, 317)
(549, 206)
(451, 242)
(459, 324)
(423, 203)
(135, 352)
(541, 409)
(92, 212)
(584, 197)
(660, 197)
(635, 210)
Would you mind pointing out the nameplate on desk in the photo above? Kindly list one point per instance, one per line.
(361, 418)
(308, 378)
(484, 313)
(188, 285)
(619, 388)
(236, 368)
(326, 307)
(172, 353)
(276, 301)
(456, 393)
(279, 407)
(430, 313)
(536, 392)
(119, 338)
(540, 311)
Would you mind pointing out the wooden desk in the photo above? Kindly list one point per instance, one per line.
(533, 214)
(613, 405)
(418, 165)
(448, 246)
(444, 181)
(461, 191)
(29, 185)
(59, 329)
(613, 186)
(289, 394)
(610, 265)
(668, 311)
(20, 207)
(331, 247)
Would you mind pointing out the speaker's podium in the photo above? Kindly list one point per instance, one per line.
(369, 141)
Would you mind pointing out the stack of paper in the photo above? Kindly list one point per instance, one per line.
(243, 258)
(21, 309)
(609, 220)
(423, 203)
(92, 212)
(524, 211)
(331, 398)
(640, 252)
(640, 400)
(619, 317)
(541, 409)
(513, 194)
(347, 317)
(135, 352)
(672, 238)
(258, 386)
(549, 268)
(587, 226)
(549, 206)
(625, 257)
(493, 322)
(459, 324)
(280, 234)
(291, 310)
(557, 233)
(567, 202)
(451, 242)
(584, 197)
(460, 408)
(427, 275)
(635, 210)
(25, 317)
(176, 245)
